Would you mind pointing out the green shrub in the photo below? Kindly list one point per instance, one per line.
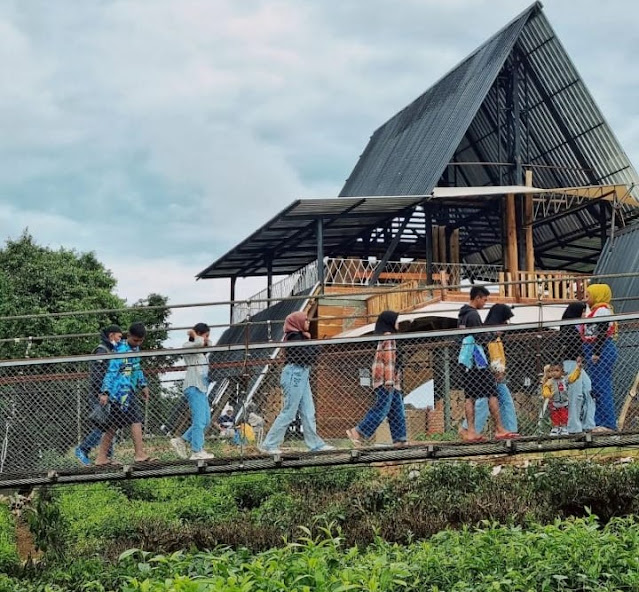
(8, 548)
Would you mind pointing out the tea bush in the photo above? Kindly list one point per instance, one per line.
(262, 511)
(577, 554)
(8, 547)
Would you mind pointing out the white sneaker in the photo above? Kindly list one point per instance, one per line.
(556, 431)
(324, 448)
(270, 450)
(202, 455)
(179, 446)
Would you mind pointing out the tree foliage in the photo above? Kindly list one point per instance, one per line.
(37, 280)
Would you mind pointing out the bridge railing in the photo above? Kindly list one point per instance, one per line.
(329, 391)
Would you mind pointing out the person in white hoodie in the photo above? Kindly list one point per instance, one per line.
(196, 382)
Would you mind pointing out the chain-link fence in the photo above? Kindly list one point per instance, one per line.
(406, 392)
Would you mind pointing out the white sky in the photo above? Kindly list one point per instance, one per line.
(161, 133)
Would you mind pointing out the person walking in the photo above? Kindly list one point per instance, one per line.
(499, 314)
(386, 375)
(479, 382)
(296, 388)
(195, 387)
(600, 352)
(581, 405)
(110, 337)
(123, 379)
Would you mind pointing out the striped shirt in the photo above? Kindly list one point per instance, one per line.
(383, 370)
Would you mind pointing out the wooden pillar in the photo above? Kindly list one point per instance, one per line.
(528, 225)
(436, 243)
(511, 246)
(442, 244)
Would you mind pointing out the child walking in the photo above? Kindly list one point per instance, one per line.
(555, 389)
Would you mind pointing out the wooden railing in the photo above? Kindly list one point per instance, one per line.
(542, 285)
(411, 296)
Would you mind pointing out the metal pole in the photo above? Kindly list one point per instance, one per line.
(232, 303)
(428, 233)
(269, 277)
(78, 403)
(447, 402)
(320, 254)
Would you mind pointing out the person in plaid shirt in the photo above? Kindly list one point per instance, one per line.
(386, 377)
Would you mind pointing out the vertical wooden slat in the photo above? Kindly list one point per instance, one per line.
(511, 227)
(442, 244)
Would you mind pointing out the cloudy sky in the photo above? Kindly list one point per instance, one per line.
(159, 133)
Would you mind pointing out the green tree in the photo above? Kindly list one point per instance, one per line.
(42, 407)
(36, 280)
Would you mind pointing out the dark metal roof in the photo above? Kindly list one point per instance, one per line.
(289, 240)
(458, 132)
(621, 256)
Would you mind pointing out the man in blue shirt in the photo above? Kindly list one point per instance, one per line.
(123, 380)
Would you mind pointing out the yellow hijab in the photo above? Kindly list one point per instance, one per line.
(601, 295)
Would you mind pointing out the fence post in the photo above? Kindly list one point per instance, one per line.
(78, 404)
(447, 403)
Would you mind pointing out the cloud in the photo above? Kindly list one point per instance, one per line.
(171, 130)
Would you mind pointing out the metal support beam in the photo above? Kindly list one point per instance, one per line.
(603, 222)
(389, 251)
(320, 254)
(428, 234)
(233, 280)
(269, 275)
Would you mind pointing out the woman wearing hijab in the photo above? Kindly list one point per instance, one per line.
(600, 352)
(499, 314)
(581, 405)
(386, 375)
(296, 388)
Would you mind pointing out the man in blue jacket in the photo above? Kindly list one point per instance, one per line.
(110, 338)
(123, 380)
(479, 382)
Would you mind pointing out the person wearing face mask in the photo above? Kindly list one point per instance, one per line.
(109, 339)
(387, 375)
(196, 383)
(123, 381)
(600, 352)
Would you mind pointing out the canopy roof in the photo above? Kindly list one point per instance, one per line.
(288, 241)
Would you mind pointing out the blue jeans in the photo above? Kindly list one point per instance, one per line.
(581, 406)
(506, 410)
(297, 397)
(92, 440)
(200, 418)
(601, 376)
(389, 403)
(588, 412)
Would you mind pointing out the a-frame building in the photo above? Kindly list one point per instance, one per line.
(506, 163)
(516, 104)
